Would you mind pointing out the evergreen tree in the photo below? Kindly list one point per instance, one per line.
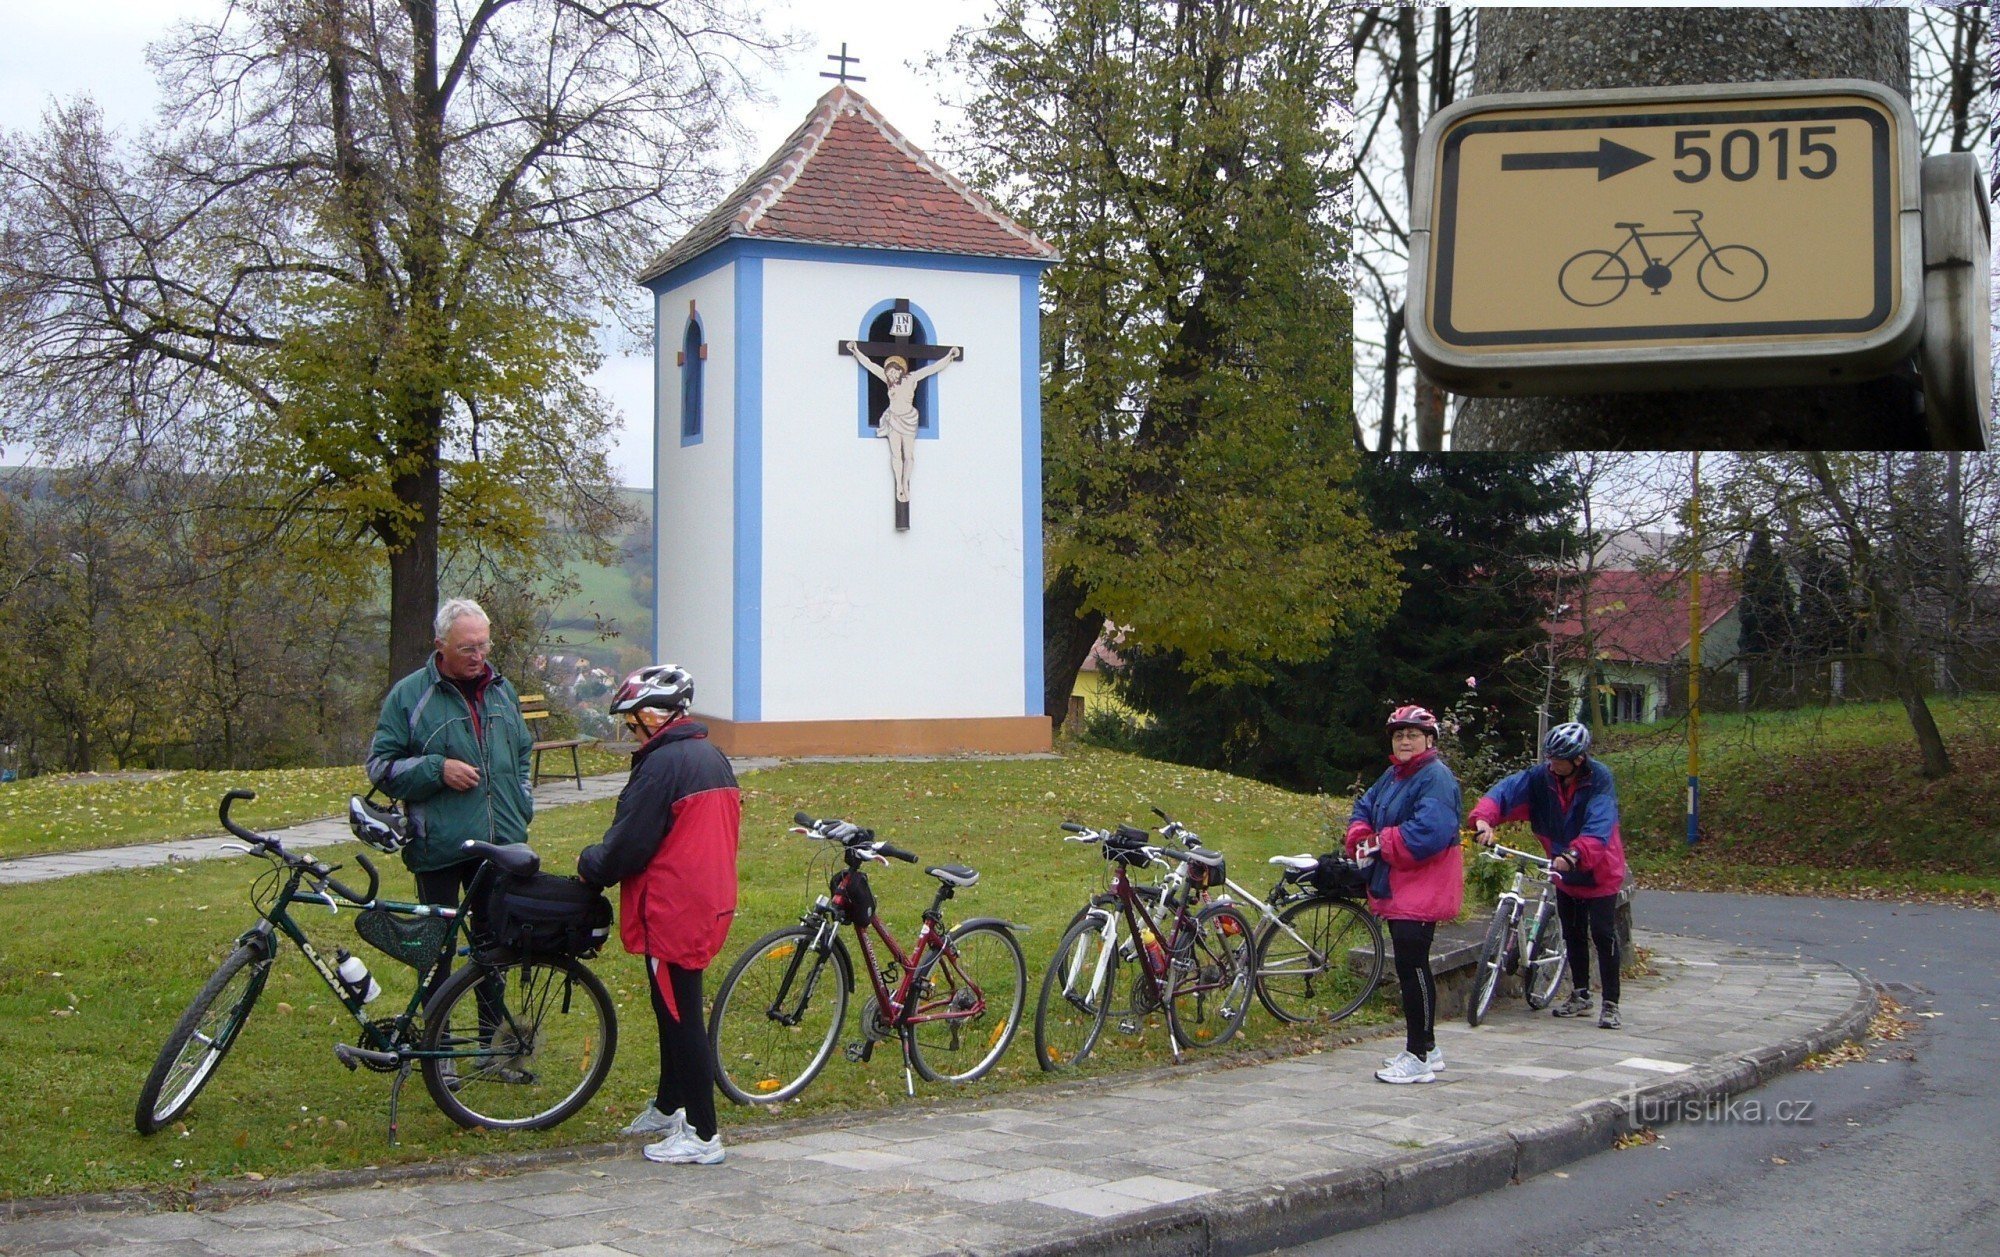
(1766, 613)
(1827, 624)
(1477, 529)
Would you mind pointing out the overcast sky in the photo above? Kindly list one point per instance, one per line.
(97, 48)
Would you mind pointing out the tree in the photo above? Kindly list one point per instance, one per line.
(1482, 530)
(1865, 532)
(1765, 615)
(1196, 461)
(1546, 49)
(361, 252)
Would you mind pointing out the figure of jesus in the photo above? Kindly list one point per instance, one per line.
(898, 424)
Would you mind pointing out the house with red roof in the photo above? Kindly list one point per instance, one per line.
(848, 453)
(1632, 629)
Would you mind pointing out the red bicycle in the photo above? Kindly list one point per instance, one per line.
(954, 1000)
(1193, 962)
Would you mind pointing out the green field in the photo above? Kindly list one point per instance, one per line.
(1821, 800)
(94, 970)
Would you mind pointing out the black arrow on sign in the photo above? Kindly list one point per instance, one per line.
(1609, 159)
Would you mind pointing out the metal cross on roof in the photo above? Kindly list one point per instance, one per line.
(842, 73)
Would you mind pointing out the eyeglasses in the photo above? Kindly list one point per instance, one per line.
(473, 650)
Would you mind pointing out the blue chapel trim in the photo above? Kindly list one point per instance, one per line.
(1032, 661)
(653, 495)
(927, 399)
(747, 666)
(692, 370)
(779, 250)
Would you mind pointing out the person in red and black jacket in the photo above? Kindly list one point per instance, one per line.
(1571, 803)
(671, 849)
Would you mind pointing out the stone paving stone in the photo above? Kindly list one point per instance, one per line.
(1093, 1202)
(375, 1203)
(480, 1215)
(1017, 1185)
(163, 1227)
(585, 1250)
(565, 1231)
(863, 1159)
(563, 1204)
(274, 1213)
(471, 1244)
(157, 1248)
(681, 1243)
(269, 1242)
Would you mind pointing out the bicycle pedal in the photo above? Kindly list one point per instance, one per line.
(858, 1053)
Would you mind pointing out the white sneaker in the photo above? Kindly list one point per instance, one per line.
(1405, 1067)
(653, 1122)
(1435, 1060)
(687, 1148)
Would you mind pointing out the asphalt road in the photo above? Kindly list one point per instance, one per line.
(1896, 1154)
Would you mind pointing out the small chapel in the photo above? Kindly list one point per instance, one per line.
(847, 478)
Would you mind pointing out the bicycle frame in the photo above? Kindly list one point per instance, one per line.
(279, 918)
(1142, 924)
(1639, 238)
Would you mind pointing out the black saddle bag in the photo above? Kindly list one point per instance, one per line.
(543, 915)
(1338, 877)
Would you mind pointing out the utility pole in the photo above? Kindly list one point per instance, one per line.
(1694, 658)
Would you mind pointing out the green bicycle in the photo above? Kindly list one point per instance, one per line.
(503, 1042)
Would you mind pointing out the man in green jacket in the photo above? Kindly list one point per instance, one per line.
(452, 745)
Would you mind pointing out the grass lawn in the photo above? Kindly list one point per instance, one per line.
(1822, 802)
(94, 971)
(64, 812)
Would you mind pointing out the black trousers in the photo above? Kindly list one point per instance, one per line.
(1412, 940)
(1588, 921)
(446, 886)
(687, 1072)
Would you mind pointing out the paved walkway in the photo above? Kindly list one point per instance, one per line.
(1177, 1161)
(310, 836)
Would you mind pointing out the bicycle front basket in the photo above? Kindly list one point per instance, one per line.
(415, 941)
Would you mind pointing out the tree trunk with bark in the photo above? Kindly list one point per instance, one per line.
(1067, 637)
(1574, 49)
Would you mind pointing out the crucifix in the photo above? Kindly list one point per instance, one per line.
(842, 61)
(889, 361)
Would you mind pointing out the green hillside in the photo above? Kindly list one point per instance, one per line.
(1820, 799)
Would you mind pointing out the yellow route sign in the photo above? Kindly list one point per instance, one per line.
(1657, 238)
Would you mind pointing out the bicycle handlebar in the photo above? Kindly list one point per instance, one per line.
(855, 839)
(1074, 828)
(319, 871)
(1503, 854)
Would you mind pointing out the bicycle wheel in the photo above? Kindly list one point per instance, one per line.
(1492, 959)
(1594, 277)
(534, 1040)
(1076, 994)
(981, 968)
(1210, 976)
(1542, 963)
(202, 1037)
(778, 1014)
(1321, 979)
(1735, 272)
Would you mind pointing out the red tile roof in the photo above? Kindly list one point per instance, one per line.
(846, 177)
(1643, 616)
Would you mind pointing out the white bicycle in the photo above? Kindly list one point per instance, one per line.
(1523, 938)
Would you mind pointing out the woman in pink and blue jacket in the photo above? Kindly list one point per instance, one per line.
(1407, 823)
(1571, 803)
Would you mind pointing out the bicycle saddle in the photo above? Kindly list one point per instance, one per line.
(513, 859)
(1623, 226)
(959, 875)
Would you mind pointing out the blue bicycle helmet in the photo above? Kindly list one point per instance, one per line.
(1567, 741)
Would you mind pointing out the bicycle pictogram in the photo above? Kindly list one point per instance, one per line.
(1730, 272)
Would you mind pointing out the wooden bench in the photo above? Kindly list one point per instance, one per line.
(536, 707)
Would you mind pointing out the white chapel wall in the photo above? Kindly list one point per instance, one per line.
(861, 621)
(693, 508)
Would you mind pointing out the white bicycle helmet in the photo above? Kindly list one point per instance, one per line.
(1567, 741)
(663, 687)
